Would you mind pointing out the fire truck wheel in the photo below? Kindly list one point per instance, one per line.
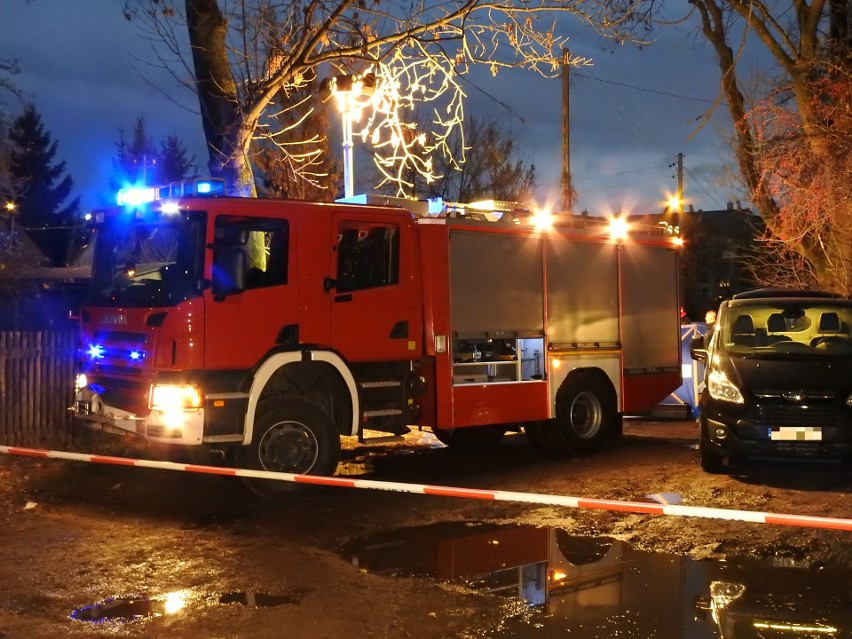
(472, 438)
(586, 412)
(291, 436)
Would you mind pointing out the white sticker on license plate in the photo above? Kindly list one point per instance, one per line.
(796, 433)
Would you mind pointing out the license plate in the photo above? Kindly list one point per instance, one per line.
(795, 433)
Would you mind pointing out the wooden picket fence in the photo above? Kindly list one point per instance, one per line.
(37, 387)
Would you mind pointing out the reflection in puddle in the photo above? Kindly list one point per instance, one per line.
(602, 588)
(128, 609)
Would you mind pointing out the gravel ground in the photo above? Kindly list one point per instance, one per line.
(76, 534)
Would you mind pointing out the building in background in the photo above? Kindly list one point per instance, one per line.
(717, 248)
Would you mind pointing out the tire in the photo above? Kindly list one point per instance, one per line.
(586, 414)
(290, 436)
(471, 438)
(709, 458)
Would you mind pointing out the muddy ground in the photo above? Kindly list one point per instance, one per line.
(74, 534)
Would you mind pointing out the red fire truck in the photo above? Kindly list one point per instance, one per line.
(266, 330)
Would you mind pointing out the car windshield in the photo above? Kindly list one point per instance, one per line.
(790, 327)
(147, 262)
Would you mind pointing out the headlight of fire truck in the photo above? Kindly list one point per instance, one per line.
(80, 382)
(170, 397)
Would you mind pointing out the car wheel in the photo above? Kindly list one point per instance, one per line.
(290, 436)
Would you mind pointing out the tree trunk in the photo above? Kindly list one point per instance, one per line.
(222, 115)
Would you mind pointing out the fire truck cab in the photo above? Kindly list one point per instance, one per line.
(268, 329)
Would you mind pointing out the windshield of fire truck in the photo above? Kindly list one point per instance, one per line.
(147, 262)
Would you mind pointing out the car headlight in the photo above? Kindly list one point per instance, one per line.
(165, 397)
(723, 389)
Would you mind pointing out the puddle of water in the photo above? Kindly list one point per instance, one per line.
(121, 610)
(600, 588)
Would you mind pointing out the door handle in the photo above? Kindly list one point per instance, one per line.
(343, 298)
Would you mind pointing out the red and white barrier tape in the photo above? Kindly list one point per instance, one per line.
(644, 508)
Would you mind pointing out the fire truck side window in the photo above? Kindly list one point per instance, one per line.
(262, 244)
(367, 255)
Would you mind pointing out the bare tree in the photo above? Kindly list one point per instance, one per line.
(792, 137)
(249, 55)
(490, 168)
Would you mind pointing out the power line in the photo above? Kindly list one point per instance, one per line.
(647, 90)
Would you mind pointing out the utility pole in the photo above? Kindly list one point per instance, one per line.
(680, 182)
(675, 204)
(567, 187)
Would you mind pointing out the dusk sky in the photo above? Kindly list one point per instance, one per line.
(632, 111)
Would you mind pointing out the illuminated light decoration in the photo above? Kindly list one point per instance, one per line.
(81, 381)
(410, 77)
(789, 626)
(95, 351)
(618, 227)
(170, 397)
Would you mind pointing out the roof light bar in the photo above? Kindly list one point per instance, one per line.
(138, 195)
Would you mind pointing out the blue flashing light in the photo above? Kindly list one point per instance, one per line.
(137, 355)
(436, 205)
(134, 196)
(212, 186)
(96, 351)
(138, 195)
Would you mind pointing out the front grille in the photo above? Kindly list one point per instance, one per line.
(788, 414)
(129, 395)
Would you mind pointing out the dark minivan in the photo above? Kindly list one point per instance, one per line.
(778, 378)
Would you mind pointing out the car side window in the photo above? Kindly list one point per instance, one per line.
(260, 244)
(367, 255)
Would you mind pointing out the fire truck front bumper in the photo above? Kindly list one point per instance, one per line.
(178, 426)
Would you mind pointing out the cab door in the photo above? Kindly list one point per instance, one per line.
(375, 291)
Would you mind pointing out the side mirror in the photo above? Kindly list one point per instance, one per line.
(698, 348)
(229, 271)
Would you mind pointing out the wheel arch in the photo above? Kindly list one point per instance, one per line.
(321, 376)
(578, 375)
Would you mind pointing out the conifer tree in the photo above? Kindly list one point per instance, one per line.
(141, 162)
(45, 184)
